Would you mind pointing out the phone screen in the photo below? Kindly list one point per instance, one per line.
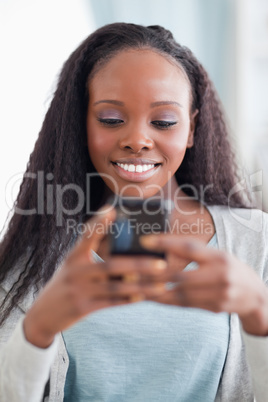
(134, 218)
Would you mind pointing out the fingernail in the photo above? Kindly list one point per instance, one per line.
(149, 241)
(159, 288)
(105, 209)
(136, 298)
(160, 264)
(131, 278)
(192, 246)
(171, 285)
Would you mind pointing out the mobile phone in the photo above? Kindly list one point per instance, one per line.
(136, 217)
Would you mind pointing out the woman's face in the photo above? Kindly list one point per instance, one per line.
(139, 123)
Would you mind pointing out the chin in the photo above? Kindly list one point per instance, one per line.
(139, 193)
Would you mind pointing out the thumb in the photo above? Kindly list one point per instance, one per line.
(186, 248)
(96, 229)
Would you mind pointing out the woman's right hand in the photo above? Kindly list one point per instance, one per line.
(82, 286)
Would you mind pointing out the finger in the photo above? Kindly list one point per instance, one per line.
(140, 265)
(119, 289)
(188, 249)
(129, 270)
(208, 276)
(198, 297)
(176, 263)
(97, 228)
(202, 298)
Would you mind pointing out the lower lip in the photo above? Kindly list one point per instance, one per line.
(135, 176)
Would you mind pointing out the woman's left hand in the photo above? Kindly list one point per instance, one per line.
(221, 283)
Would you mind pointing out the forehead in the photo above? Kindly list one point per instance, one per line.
(141, 68)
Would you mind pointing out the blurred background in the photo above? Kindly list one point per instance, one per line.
(230, 38)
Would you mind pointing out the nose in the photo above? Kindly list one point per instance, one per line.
(136, 139)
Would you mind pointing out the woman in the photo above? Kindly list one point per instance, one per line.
(134, 114)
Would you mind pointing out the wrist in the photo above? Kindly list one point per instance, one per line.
(256, 322)
(35, 334)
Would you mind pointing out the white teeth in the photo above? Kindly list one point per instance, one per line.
(133, 168)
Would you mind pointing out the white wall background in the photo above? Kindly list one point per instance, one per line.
(36, 37)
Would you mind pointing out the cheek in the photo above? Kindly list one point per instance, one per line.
(175, 149)
(95, 143)
(99, 144)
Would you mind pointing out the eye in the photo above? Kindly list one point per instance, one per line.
(110, 122)
(163, 124)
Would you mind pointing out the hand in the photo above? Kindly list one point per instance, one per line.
(82, 286)
(222, 282)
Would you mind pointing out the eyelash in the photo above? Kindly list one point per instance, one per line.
(110, 122)
(163, 124)
(159, 124)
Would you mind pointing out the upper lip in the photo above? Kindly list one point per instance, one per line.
(136, 161)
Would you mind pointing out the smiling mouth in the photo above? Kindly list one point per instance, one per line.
(130, 167)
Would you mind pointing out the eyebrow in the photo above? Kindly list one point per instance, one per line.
(153, 104)
(113, 102)
(161, 103)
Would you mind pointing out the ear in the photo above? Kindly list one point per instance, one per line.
(193, 120)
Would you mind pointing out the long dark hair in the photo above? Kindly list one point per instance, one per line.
(34, 244)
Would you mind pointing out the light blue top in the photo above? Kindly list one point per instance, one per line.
(146, 352)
